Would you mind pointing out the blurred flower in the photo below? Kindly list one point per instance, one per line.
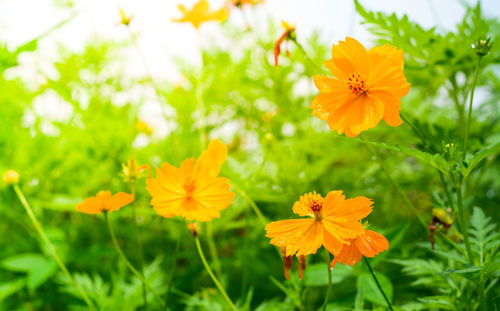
(193, 190)
(240, 3)
(368, 244)
(103, 201)
(132, 170)
(143, 127)
(193, 228)
(124, 18)
(366, 87)
(333, 221)
(288, 34)
(10, 177)
(440, 219)
(201, 13)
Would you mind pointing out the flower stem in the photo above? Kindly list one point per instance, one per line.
(127, 262)
(171, 273)
(403, 195)
(51, 247)
(463, 224)
(378, 284)
(301, 48)
(213, 249)
(139, 244)
(252, 204)
(467, 126)
(212, 275)
(329, 271)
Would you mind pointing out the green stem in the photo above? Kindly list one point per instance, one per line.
(467, 127)
(403, 195)
(458, 105)
(212, 275)
(316, 67)
(127, 262)
(51, 247)
(463, 224)
(213, 249)
(252, 204)
(139, 244)
(172, 269)
(329, 271)
(378, 284)
(414, 128)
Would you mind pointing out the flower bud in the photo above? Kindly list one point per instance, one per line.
(287, 263)
(11, 177)
(124, 18)
(132, 170)
(482, 46)
(302, 266)
(193, 228)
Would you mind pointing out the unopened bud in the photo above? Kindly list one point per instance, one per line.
(483, 46)
(302, 266)
(193, 228)
(287, 263)
(11, 177)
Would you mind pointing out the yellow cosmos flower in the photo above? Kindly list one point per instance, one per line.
(104, 201)
(201, 13)
(366, 87)
(193, 190)
(333, 221)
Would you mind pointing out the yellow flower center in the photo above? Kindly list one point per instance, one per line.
(189, 187)
(356, 84)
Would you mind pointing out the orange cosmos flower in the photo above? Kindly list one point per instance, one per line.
(201, 13)
(333, 221)
(103, 201)
(193, 190)
(288, 34)
(366, 87)
(368, 244)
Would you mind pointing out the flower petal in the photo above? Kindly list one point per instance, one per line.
(371, 243)
(118, 201)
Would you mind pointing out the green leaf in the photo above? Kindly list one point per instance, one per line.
(9, 288)
(366, 284)
(484, 236)
(42, 273)
(435, 160)
(316, 274)
(472, 269)
(38, 268)
(23, 262)
(478, 157)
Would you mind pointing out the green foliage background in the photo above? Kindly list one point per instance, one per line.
(278, 151)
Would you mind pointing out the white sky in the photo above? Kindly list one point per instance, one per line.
(160, 38)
